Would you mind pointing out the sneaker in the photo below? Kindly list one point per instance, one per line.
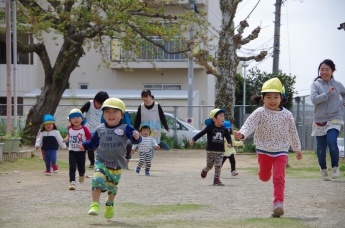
(203, 174)
(147, 173)
(47, 173)
(94, 209)
(137, 170)
(72, 185)
(234, 173)
(335, 172)
(81, 179)
(325, 175)
(278, 209)
(109, 212)
(55, 168)
(217, 182)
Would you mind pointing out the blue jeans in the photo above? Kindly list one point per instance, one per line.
(49, 158)
(330, 140)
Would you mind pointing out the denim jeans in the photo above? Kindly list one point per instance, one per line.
(329, 140)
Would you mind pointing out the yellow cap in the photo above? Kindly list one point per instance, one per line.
(114, 103)
(214, 112)
(273, 85)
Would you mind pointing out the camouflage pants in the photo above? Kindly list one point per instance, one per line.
(214, 158)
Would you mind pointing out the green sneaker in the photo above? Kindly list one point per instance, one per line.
(94, 208)
(109, 212)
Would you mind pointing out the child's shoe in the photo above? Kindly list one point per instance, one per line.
(55, 168)
(234, 173)
(325, 176)
(137, 170)
(72, 185)
(109, 211)
(91, 166)
(335, 172)
(94, 209)
(147, 172)
(278, 209)
(47, 173)
(81, 179)
(217, 182)
(203, 173)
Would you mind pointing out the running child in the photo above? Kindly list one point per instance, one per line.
(110, 139)
(215, 143)
(275, 131)
(49, 139)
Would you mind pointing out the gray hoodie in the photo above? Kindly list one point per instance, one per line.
(327, 105)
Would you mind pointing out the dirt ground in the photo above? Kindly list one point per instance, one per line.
(175, 179)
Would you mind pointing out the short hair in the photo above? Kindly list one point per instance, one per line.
(101, 96)
(147, 93)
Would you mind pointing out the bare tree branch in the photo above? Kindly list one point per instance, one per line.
(257, 58)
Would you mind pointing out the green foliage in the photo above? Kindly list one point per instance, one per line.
(247, 148)
(256, 78)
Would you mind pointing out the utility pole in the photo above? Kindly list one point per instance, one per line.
(191, 68)
(14, 33)
(8, 66)
(244, 65)
(276, 41)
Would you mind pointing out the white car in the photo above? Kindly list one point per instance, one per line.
(176, 126)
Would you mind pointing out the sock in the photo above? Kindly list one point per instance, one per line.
(109, 203)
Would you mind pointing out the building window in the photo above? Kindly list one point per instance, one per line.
(83, 85)
(162, 86)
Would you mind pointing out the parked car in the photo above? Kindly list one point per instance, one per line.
(175, 124)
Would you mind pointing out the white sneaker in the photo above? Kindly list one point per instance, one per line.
(335, 172)
(278, 210)
(325, 175)
(72, 185)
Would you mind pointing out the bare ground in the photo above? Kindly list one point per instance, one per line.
(30, 199)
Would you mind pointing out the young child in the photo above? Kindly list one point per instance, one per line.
(230, 152)
(93, 114)
(49, 140)
(275, 131)
(145, 149)
(77, 133)
(110, 139)
(215, 143)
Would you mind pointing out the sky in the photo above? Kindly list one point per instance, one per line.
(308, 35)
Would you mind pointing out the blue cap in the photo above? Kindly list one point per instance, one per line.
(144, 125)
(227, 124)
(48, 119)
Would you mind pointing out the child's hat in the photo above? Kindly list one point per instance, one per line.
(75, 113)
(213, 114)
(273, 85)
(227, 124)
(144, 125)
(47, 119)
(114, 103)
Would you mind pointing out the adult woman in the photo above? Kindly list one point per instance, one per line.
(151, 113)
(325, 93)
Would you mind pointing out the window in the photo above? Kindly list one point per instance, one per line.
(162, 86)
(83, 85)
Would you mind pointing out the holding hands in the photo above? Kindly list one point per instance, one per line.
(238, 135)
(136, 135)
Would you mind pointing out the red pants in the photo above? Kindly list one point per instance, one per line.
(266, 163)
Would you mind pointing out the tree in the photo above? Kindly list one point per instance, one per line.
(256, 78)
(227, 60)
(83, 24)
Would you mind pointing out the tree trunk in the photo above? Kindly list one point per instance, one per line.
(56, 81)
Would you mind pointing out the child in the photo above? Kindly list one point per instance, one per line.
(49, 139)
(110, 139)
(215, 143)
(230, 152)
(145, 149)
(93, 114)
(77, 133)
(275, 131)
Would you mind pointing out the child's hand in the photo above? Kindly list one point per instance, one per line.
(136, 135)
(65, 140)
(80, 145)
(298, 155)
(132, 152)
(229, 145)
(37, 147)
(191, 142)
(238, 135)
(157, 147)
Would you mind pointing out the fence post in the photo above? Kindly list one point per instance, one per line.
(303, 124)
(175, 121)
